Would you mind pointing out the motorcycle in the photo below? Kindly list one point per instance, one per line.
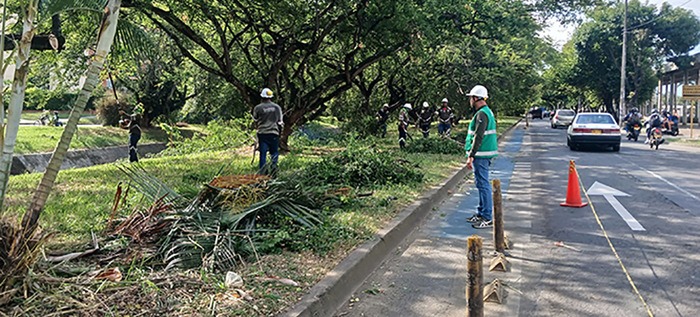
(672, 131)
(657, 138)
(633, 131)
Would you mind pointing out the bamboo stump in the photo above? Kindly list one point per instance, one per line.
(475, 295)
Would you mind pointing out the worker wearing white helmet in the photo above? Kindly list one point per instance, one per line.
(404, 121)
(445, 117)
(425, 119)
(268, 118)
(481, 146)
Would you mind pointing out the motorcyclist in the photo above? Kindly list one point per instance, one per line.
(404, 121)
(425, 118)
(671, 120)
(445, 116)
(653, 122)
(632, 118)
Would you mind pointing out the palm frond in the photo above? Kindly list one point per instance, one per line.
(133, 40)
(48, 8)
(151, 187)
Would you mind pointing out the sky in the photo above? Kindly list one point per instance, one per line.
(561, 34)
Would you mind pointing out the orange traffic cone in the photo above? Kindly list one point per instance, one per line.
(573, 192)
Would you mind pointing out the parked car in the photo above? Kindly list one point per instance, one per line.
(591, 128)
(563, 118)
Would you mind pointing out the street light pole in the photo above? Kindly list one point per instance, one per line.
(623, 67)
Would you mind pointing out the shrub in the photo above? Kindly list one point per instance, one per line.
(218, 136)
(435, 146)
(359, 166)
(108, 110)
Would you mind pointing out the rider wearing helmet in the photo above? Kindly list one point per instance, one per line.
(404, 121)
(654, 122)
(445, 116)
(632, 118)
(425, 118)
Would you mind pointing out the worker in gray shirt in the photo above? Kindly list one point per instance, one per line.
(268, 118)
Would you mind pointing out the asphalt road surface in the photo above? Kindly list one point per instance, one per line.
(648, 201)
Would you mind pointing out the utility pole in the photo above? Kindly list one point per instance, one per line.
(623, 67)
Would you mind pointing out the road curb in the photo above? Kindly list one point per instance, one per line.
(335, 289)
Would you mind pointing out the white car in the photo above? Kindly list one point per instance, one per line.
(563, 118)
(594, 129)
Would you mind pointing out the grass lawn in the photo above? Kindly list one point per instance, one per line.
(82, 198)
(35, 139)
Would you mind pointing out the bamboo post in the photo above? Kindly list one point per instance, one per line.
(475, 294)
(498, 237)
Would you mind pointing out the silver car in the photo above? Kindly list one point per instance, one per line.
(563, 118)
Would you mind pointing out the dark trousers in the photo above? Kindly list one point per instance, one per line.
(133, 141)
(268, 143)
(403, 134)
(425, 128)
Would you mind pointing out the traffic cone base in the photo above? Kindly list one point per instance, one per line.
(573, 192)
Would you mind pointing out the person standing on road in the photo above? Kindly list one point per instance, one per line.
(481, 146)
(445, 115)
(382, 118)
(268, 118)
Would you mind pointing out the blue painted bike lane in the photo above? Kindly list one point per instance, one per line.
(461, 206)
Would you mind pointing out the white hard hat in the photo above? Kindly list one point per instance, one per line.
(444, 100)
(267, 93)
(479, 91)
(408, 106)
(425, 104)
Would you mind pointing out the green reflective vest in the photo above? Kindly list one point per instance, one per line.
(489, 145)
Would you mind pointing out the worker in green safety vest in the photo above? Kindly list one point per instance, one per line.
(481, 147)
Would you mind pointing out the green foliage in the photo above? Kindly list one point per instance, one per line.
(435, 146)
(41, 99)
(359, 166)
(217, 136)
(109, 108)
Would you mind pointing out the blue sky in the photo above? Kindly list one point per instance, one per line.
(561, 34)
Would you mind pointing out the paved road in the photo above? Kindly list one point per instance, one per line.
(426, 277)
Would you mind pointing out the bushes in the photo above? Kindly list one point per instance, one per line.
(108, 110)
(435, 146)
(359, 167)
(218, 136)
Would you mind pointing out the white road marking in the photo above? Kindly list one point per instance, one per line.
(667, 182)
(609, 194)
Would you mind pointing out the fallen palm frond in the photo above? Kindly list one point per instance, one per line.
(151, 187)
(17, 254)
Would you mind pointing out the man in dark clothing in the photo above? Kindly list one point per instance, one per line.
(425, 118)
(445, 115)
(132, 124)
(382, 118)
(268, 117)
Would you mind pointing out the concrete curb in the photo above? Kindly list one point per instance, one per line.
(335, 289)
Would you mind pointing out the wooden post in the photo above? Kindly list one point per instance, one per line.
(498, 237)
(475, 293)
(692, 116)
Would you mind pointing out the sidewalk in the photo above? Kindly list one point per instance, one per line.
(427, 277)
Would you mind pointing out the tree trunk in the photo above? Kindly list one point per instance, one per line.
(19, 85)
(104, 44)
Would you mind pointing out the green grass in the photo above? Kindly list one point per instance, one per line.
(81, 203)
(36, 139)
(85, 118)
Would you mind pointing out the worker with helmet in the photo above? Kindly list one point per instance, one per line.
(269, 121)
(382, 118)
(481, 146)
(425, 118)
(404, 121)
(445, 116)
(654, 121)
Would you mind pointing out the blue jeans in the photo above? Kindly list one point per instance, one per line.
(268, 143)
(443, 128)
(481, 174)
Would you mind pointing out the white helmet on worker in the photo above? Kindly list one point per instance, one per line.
(444, 100)
(479, 91)
(425, 104)
(408, 106)
(267, 93)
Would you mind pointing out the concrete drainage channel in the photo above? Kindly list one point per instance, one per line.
(36, 163)
(336, 288)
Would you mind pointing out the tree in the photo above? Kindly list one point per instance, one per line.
(107, 31)
(657, 35)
